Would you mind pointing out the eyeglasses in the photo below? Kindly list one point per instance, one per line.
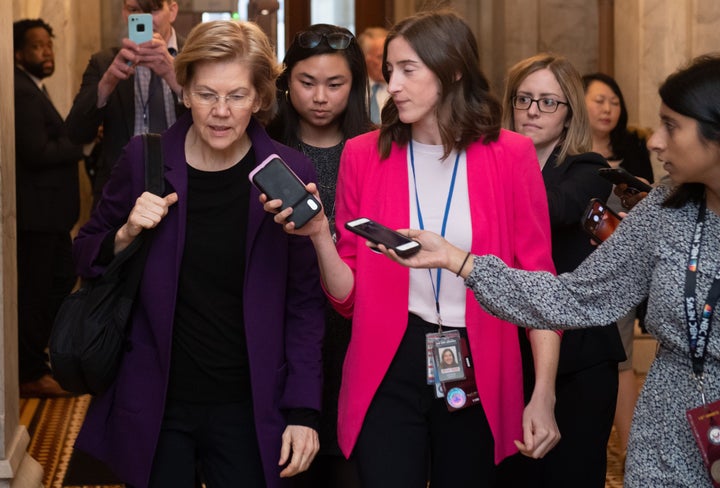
(210, 99)
(336, 40)
(545, 105)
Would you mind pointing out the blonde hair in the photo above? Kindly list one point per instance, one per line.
(576, 137)
(228, 40)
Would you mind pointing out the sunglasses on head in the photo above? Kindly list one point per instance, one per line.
(336, 40)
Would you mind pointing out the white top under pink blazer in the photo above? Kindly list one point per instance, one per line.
(508, 207)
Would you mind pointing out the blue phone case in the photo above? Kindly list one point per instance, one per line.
(140, 28)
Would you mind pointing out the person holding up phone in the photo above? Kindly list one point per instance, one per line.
(653, 254)
(322, 102)
(440, 161)
(223, 371)
(611, 137)
(626, 150)
(128, 89)
(544, 100)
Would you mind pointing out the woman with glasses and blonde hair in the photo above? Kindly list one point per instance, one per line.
(322, 102)
(544, 100)
(222, 375)
(439, 160)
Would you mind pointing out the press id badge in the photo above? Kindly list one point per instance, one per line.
(447, 340)
(462, 393)
(705, 424)
(448, 358)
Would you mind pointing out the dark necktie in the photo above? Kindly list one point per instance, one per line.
(44, 90)
(156, 105)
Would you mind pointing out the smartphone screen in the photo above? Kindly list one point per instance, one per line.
(599, 220)
(275, 179)
(140, 28)
(380, 234)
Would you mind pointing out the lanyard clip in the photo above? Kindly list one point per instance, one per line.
(700, 387)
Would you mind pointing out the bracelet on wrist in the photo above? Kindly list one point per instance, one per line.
(467, 256)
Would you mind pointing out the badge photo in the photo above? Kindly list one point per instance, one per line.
(448, 359)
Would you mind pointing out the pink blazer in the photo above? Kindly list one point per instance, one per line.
(509, 218)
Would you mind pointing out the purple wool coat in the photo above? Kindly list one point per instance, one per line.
(283, 307)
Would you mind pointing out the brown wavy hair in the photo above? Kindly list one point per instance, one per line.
(466, 111)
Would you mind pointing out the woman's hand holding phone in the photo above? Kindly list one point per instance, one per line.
(313, 227)
(435, 252)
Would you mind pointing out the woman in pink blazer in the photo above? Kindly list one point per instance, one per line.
(440, 162)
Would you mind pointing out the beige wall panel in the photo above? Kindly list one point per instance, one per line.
(664, 45)
(521, 29)
(570, 28)
(705, 36)
(627, 55)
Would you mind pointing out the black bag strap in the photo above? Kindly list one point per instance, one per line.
(154, 183)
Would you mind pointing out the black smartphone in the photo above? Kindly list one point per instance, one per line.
(599, 220)
(379, 234)
(620, 175)
(274, 178)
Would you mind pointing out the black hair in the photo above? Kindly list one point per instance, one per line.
(619, 135)
(693, 92)
(21, 27)
(355, 120)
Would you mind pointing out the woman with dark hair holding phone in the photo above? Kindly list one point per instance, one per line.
(608, 117)
(440, 160)
(544, 100)
(623, 149)
(665, 250)
(322, 102)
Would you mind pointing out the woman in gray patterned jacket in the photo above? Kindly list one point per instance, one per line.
(667, 250)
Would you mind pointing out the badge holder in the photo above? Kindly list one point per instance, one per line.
(462, 393)
(705, 424)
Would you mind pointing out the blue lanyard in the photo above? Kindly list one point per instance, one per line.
(436, 286)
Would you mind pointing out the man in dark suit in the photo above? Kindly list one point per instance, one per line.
(46, 168)
(128, 90)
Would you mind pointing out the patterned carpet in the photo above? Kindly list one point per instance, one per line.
(53, 425)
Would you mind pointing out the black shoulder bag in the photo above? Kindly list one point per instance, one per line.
(89, 335)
